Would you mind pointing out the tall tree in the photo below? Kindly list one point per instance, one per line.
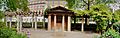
(72, 4)
(13, 5)
(87, 4)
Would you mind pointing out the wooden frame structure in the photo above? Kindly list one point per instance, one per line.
(59, 19)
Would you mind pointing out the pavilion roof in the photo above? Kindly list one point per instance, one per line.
(59, 10)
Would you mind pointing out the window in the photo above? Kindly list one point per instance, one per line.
(59, 19)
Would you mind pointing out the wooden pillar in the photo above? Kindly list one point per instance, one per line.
(35, 22)
(87, 21)
(6, 21)
(63, 23)
(10, 22)
(49, 23)
(20, 22)
(69, 23)
(17, 22)
(44, 21)
(32, 21)
(82, 27)
(55, 28)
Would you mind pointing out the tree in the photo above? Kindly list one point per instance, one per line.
(101, 14)
(116, 16)
(93, 8)
(13, 5)
(74, 4)
(1, 14)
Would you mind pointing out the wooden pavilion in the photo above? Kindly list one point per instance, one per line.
(59, 19)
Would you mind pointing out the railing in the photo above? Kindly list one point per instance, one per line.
(26, 19)
(79, 20)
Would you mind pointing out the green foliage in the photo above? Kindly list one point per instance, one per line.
(2, 24)
(13, 5)
(116, 16)
(104, 1)
(6, 32)
(73, 4)
(101, 14)
(10, 33)
(70, 3)
(99, 11)
(46, 9)
(111, 33)
(81, 12)
(116, 26)
(102, 11)
(1, 15)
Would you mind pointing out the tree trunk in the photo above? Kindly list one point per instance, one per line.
(74, 20)
(85, 20)
(88, 4)
(86, 16)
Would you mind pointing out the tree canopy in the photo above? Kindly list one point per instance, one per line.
(97, 9)
(72, 4)
(13, 5)
(117, 15)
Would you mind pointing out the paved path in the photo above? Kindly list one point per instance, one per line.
(44, 34)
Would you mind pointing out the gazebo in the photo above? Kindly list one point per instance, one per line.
(59, 19)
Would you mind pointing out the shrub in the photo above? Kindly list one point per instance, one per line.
(116, 26)
(111, 33)
(10, 33)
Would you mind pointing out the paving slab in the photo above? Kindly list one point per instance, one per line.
(40, 33)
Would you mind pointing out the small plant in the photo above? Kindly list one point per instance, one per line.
(10, 33)
(116, 26)
(110, 33)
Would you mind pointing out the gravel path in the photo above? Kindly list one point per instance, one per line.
(39, 33)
